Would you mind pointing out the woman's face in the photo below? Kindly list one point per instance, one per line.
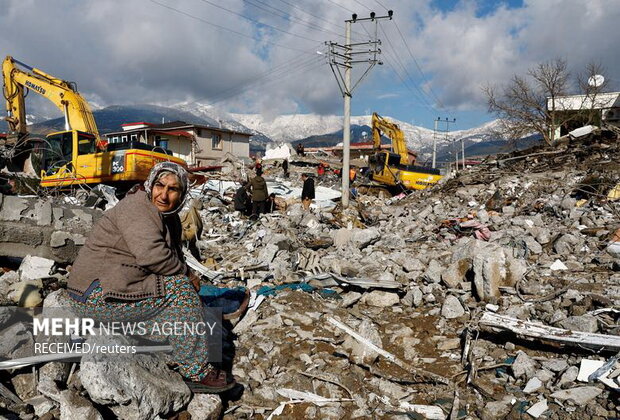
(166, 193)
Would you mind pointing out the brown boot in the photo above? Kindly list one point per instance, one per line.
(215, 382)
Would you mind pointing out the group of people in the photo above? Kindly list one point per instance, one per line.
(252, 198)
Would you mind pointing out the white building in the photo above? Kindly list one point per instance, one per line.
(606, 108)
(198, 145)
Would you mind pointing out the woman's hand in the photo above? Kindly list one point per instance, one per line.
(195, 279)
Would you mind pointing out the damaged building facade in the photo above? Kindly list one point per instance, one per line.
(198, 145)
(579, 110)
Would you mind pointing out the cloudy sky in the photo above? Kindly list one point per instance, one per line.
(268, 56)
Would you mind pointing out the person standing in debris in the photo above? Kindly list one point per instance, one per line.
(259, 194)
(307, 192)
(270, 204)
(242, 200)
(352, 174)
(285, 168)
(300, 150)
(131, 269)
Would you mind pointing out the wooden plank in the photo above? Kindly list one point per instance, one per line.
(538, 331)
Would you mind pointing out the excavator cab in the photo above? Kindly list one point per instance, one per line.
(58, 152)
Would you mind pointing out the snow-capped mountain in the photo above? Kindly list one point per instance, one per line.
(287, 128)
(224, 120)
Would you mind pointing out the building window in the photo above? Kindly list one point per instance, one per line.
(199, 132)
(124, 139)
(114, 139)
(134, 137)
(216, 142)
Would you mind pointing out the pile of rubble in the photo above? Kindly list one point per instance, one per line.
(493, 295)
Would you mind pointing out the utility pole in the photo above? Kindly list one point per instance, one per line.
(463, 151)
(341, 56)
(435, 144)
(436, 130)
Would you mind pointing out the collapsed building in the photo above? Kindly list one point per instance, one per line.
(492, 295)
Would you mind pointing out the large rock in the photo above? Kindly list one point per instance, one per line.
(33, 268)
(489, 267)
(523, 366)
(584, 323)
(142, 384)
(433, 271)
(72, 405)
(16, 341)
(380, 298)
(205, 407)
(492, 265)
(361, 238)
(455, 273)
(452, 308)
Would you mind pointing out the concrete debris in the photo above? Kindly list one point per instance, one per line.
(538, 409)
(496, 284)
(134, 386)
(452, 308)
(205, 406)
(578, 396)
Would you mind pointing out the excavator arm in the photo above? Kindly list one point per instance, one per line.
(393, 132)
(63, 94)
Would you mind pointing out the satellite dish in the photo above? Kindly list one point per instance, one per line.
(596, 80)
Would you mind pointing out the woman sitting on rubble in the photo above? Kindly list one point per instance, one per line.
(132, 269)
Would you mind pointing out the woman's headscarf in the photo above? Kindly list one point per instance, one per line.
(170, 167)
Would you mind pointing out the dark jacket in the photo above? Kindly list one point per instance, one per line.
(259, 189)
(241, 199)
(128, 251)
(307, 193)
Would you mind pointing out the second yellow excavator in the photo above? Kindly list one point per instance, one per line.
(76, 155)
(392, 168)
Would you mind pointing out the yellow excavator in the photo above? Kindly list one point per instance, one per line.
(392, 168)
(76, 155)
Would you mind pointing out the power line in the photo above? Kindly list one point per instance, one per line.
(302, 70)
(423, 95)
(225, 28)
(257, 22)
(418, 65)
(315, 16)
(363, 5)
(285, 15)
(277, 75)
(283, 69)
(341, 6)
(381, 4)
(422, 99)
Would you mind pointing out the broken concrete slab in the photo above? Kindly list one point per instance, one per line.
(579, 395)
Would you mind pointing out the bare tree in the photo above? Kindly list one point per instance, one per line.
(535, 103)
